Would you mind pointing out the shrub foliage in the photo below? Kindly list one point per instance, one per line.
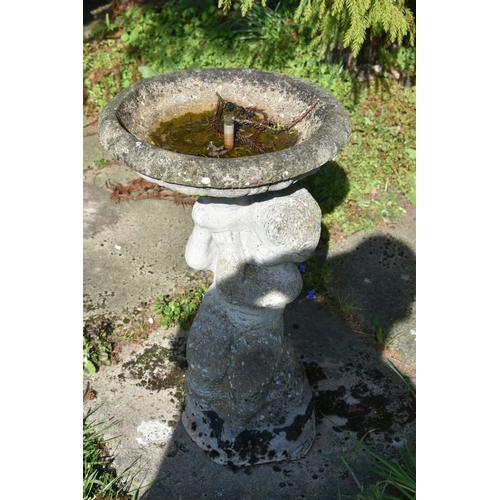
(347, 23)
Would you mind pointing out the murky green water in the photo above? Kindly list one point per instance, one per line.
(191, 134)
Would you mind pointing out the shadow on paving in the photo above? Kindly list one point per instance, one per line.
(356, 392)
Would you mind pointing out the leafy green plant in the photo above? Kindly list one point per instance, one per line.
(140, 330)
(316, 276)
(177, 36)
(348, 22)
(97, 347)
(108, 68)
(264, 23)
(400, 58)
(138, 326)
(100, 480)
(181, 309)
(101, 163)
(269, 34)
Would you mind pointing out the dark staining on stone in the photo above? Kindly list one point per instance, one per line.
(376, 374)
(346, 368)
(372, 411)
(232, 467)
(294, 430)
(314, 372)
(252, 445)
(177, 446)
(153, 371)
(213, 454)
(215, 423)
(193, 426)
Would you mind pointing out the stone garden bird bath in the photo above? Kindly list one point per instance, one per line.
(247, 398)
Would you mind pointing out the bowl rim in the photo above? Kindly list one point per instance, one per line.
(221, 176)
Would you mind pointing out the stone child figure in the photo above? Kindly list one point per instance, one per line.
(247, 398)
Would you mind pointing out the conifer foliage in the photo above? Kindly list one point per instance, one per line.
(348, 23)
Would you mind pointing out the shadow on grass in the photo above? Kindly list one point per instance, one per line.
(329, 186)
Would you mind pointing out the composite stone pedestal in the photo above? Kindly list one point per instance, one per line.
(247, 398)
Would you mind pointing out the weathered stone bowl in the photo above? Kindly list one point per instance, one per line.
(127, 120)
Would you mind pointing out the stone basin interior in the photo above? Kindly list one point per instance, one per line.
(130, 117)
(163, 101)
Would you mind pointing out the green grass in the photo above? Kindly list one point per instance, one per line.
(393, 479)
(100, 480)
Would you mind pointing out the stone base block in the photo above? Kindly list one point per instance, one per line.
(291, 437)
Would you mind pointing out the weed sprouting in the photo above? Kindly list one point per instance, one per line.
(97, 347)
(101, 163)
(181, 309)
(379, 333)
(381, 339)
(345, 303)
